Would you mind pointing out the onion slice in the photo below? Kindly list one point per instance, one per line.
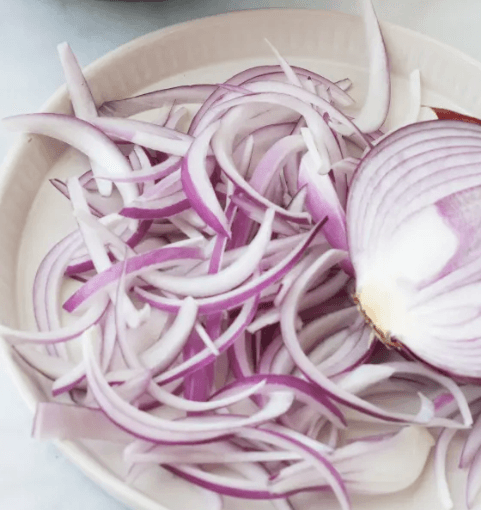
(81, 135)
(376, 105)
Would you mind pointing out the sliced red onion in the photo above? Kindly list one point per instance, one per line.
(440, 458)
(145, 134)
(161, 355)
(293, 93)
(354, 352)
(82, 101)
(336, 94)
(174, 401)
(80, 95)
(324, 467)
(134, 388)
(225, 485)
(132, 242)
(142, 156)
(255, 306)
(157, 209)
(474, 481)
(226, 279)
(63, 421)
(210, 456)
(69, 380)
(472, 445)
(273, 160)
(267, 72)
(372, 465)
(165, 187)
(412, 368)
(303, 391)
(155, 427)
(314, 121)
(197, 185)
(322, 201)
(152, 173)
(81, 135)
(95, 245)
(45, 288)
(256, 213)
(412, 115)
(221, 147)
(174, 117)
(225, 340)
(134, 161)
(343, 172)
(91, 317)
(329, 331)
(254, 485)
(244, 292)
(133, 266)
(298, 201)
(187, 94)
(302, 361)
(49, 366)
(286, 68)
(365, 376)
(376, 105)
(62, 187)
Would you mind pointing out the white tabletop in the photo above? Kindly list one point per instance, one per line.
(34, 476)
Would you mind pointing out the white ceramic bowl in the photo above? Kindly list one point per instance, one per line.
(207, 50)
